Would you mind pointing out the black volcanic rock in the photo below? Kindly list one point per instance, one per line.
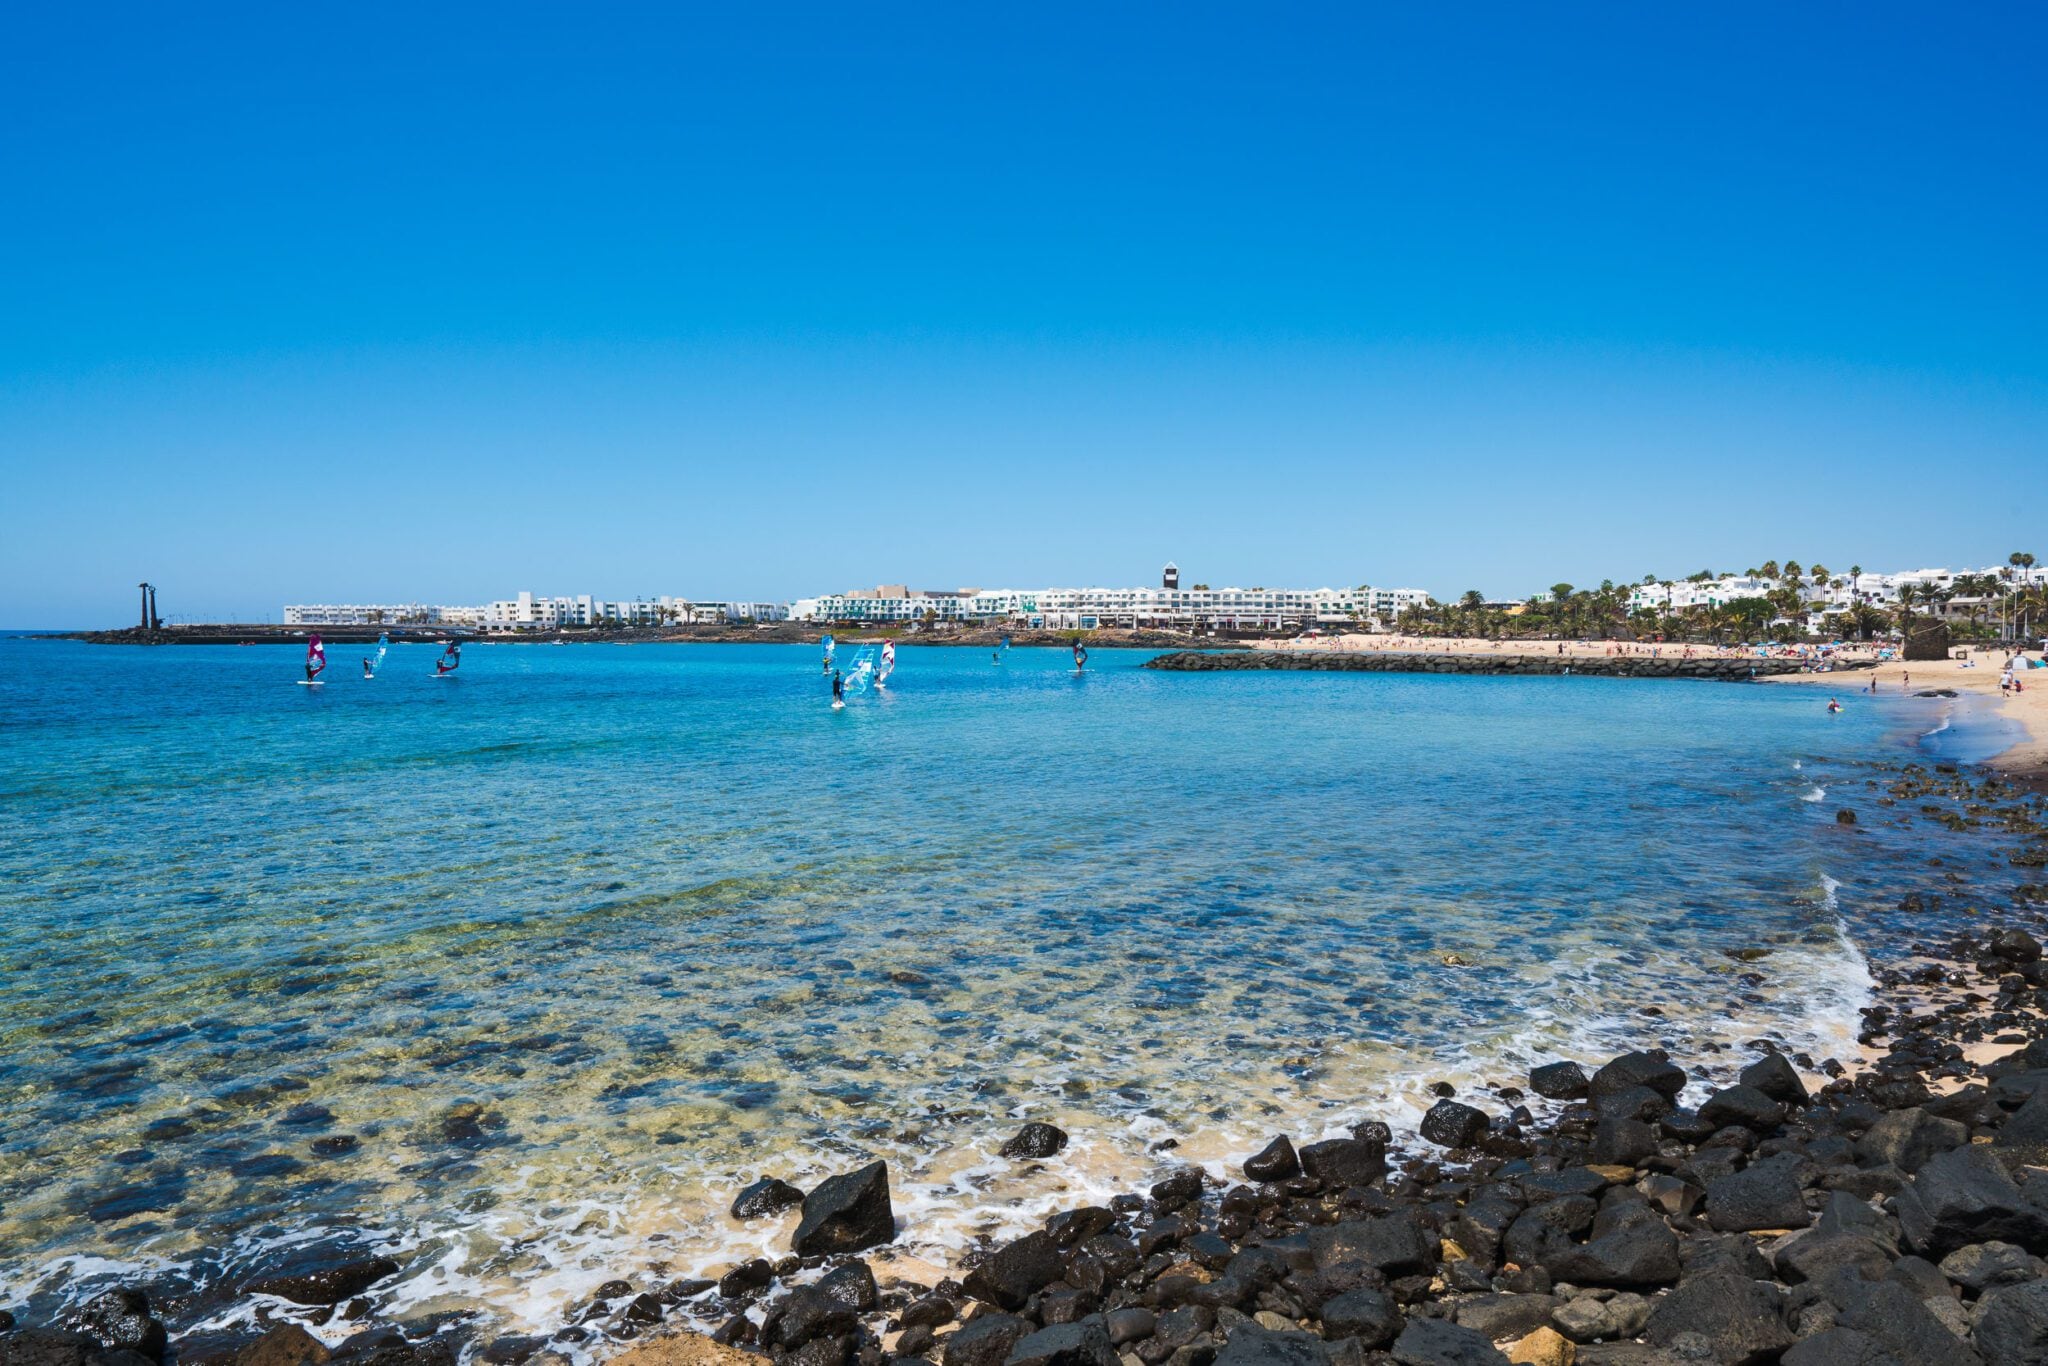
(1274, 1162)
(1742, 1105)
(323, 1277)
(1035, 1140)
(985, 1340)
(1776, 1078)
(1084, 1343)
(1649, 1069)
(1965, 1197)
(847, 1214)
(1764, 1196)
(1741, 1320)
(764, 1197)
(120, 1321)
(1452, 1125)
(1341, 1162)
(1559, 1081)
(1016, 1271)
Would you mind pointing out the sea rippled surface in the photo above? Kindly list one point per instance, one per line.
(520, 975)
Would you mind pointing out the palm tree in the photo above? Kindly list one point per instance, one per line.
(1909, 593)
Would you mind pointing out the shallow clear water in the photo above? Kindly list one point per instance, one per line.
(670, 922)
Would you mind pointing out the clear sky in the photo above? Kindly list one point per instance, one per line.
(364, 302)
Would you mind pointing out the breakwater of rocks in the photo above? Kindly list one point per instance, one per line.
(1625, 1211)
(1438, 662)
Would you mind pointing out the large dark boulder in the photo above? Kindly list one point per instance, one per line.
(1252, 1345)
(1965, 1197)
(1452, 1125)
(1633, 1102)
(1178, 1188)
(1907, 1138)
(1902, 1322)
(1764, 1196)
(1839, 1347)
(1341, 1162)
(120, 1321)
(1394, 1244)
(1434, 1342)
(1276, 1161)
(1980, 1266)
(1016, 1271)
(1739, 1319)
(1072, 1226)
(766, 1196)
(1816, 1256)
(1776, 1078)
(1035, 1139)
(1650, 1069)
(1085, 1343)
(287, 1344)
(1622, 1142)
(804, 1315)
(1504, 1317)
(1367, 1314)
(55, 1347)
(1558, 1081)
(1742, 1105)
(1631, 1258)
(985, 1340)
(323, 1277)
(2011, 1324)
(851, 1284)
(847, 1214)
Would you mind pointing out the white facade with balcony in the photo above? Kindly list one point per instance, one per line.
(1088, 608)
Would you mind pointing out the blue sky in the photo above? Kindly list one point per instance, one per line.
(359, 303)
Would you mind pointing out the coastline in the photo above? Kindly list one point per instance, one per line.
(1975, 683)
(1640, 1210)
(612, 1322)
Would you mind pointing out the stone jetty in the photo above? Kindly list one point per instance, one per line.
(1445, 662)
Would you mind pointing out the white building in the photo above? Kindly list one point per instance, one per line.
(1087, 608)
(1838, 593)
(528, 612)
(379, 614)
(534, 612)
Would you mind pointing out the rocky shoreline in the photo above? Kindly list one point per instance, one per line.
(1442, 662)
(1890, 1209)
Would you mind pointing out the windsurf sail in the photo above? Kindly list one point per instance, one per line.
(451, 658)
(316, 657)
(888, 663)
(1080, 655)
(826, 641)
(377, 660)
(862, 673)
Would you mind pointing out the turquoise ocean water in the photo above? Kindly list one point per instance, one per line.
(519, 975)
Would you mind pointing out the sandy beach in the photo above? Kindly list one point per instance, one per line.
(1975, 672)
(1975, 675)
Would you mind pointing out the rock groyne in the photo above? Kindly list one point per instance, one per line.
(1440, 662)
